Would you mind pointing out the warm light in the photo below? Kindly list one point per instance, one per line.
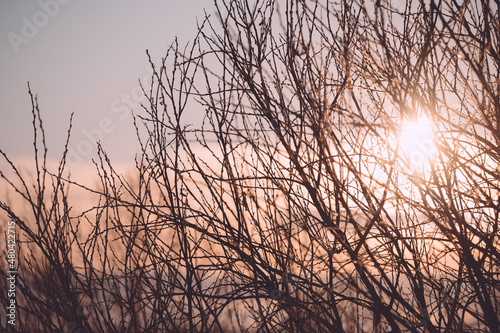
(416, 143)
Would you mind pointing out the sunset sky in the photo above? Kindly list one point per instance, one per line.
(83, 57)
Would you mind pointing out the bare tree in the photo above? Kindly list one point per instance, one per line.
(297, 204)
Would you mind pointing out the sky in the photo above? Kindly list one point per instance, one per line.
(83, 57)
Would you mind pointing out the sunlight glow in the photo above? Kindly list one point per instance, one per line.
(416, 143)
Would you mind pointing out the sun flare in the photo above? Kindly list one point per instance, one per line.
(416, 143)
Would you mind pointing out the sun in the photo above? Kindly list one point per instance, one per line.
(416, 143)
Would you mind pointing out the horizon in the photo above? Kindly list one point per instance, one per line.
(84, 58)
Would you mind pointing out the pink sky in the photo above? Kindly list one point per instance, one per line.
(83, 57)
